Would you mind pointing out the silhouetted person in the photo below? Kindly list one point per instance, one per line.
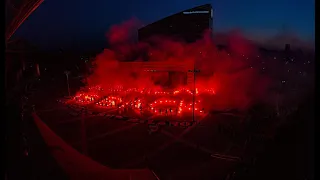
(140, 109)
(119, 108)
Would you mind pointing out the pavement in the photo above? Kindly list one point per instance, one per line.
(119, 144)
(79, 166)
(196, 152)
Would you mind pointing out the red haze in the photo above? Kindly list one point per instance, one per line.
(236, 84)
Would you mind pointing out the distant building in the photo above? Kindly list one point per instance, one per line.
(188, 25)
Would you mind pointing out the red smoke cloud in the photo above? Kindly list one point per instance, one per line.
(229, 73)
(124, 32)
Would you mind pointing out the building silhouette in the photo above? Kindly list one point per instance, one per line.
(188, 25)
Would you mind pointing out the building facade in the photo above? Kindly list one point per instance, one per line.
(189, 25)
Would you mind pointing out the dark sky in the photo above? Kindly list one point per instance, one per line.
(83, 23)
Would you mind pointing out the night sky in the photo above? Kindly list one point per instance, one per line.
(83, 23)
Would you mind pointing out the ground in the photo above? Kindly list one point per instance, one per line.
(172, 152)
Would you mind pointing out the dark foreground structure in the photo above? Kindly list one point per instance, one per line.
(188, 25)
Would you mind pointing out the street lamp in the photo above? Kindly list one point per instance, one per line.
(194, 71)
(67, 75)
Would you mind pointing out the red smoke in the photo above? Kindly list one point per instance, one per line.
(123, 33)
(229, 73)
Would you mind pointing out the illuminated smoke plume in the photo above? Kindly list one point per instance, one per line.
(123, 33)
(229, 73)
